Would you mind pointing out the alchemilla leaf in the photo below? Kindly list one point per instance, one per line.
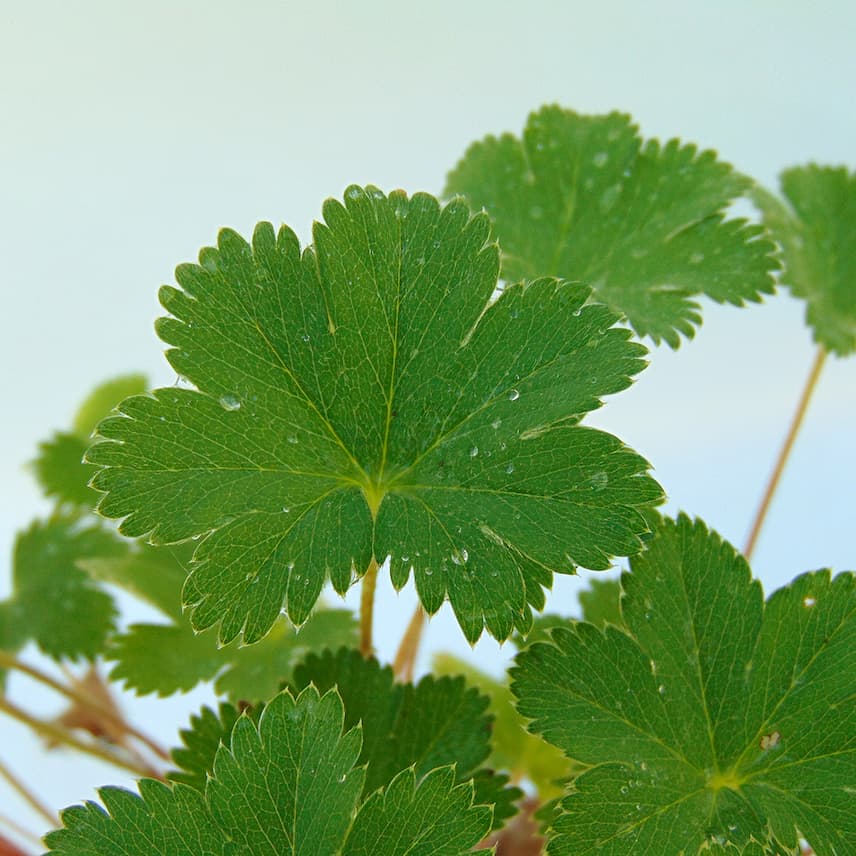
(367, 397)
(584, 198)
(816, 227)
(286, 785)
(715, 717)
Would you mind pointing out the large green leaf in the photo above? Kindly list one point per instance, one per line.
(582, 197)
(53, 601)
(714, 717)
(368, 396)
(816, 227)
(287, 785)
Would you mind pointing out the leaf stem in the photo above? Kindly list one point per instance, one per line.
(11, 848)
(367, 608)
(86, 700)
(405, 658)
(776, 475)
(62, 735)
(28, 795)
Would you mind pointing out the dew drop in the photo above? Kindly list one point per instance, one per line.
(341, 778)
(292, 438)
(599, 481)
(661, 689)
(230, 402)
(305, 337)
(513, 395)
(420, 261)
(428, 572)
(405, 558)
(460, 557)
(353, 192)
(285, 509)
(809, 602)
(495, 424)
(600, 159)
(624, 789)
(474, 451)
(696, 258)
(510, 469)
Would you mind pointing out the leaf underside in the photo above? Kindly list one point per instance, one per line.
(287, 785)
(816, 227)
(714, 718)
(584, 198)
(367, 397)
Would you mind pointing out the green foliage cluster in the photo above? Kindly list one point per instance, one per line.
(410, 392)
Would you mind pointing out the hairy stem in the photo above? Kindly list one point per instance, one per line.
(86, 700)
(27, 795)
(405, 658)
(367, 608)
(62, 735)
(785, 452)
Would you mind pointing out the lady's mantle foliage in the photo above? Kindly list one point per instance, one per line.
(287, 785)
(712, 716)
(366, 397)
(583, 197)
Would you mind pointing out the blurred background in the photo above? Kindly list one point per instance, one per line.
(131, 132)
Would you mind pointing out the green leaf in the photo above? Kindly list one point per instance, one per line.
(816, 227)
(165, 659)
(153, 574)
(59, 466)
(59, 606)
(411, 821)
(366, 395)
(525, 755)
(582, 197)
(437, 722)
(601, 603)
(103, 399)
(287, 785)
(208, 729)
(719, 718)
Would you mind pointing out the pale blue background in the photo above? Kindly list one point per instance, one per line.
(130, 132)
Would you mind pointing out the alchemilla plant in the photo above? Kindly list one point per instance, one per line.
(407, 396)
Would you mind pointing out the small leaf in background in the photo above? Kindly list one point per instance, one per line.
(584, 198)
(53, 601)
(59, 466)
(601, 602)
(513, 748)
(170, 658)
(288, 785)
(437, 722)
(721, 718)
(367, 395)
(816, 227)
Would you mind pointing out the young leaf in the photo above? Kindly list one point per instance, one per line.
(165, 659)
(816, 228)
(581, 197)
(59, 466)
(367, 396)
(58, 605)
(287, 785)
(720, 717)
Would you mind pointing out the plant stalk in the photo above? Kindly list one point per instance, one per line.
(405, 658)
(62, 735)
(367, 608)
(785, 452)
(86, 700)
(27, 795)
(7, 847)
